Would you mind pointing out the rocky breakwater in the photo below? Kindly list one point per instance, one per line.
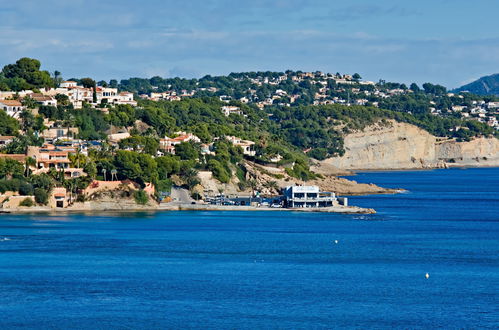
(403, 146)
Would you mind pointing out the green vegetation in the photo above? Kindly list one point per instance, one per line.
(141, 197)
(41, 196)
(24, 74)
(27, 202)
(288, 133)
(8, 125)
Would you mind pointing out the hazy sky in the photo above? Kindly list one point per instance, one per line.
(441, 41)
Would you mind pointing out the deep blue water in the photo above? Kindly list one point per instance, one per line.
(265, 270)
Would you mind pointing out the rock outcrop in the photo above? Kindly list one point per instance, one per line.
(404, 146)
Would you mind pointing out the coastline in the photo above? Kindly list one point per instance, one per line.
(189, 207)
(449, 166)
(117, 206)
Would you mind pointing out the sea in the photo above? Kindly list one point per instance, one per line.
(428, 259)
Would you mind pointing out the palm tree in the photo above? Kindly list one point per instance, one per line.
(29, 161)
(113, 173)
(272, 186)
(29, 103)
(27, 119)
(78, 159)
(57, 78)
(253, 184)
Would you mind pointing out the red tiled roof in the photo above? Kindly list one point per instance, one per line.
(12, 103)
(6, 137)
(18, 157)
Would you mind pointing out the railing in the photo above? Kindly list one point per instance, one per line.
(312, 199)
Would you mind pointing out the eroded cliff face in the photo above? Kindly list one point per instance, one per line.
(405, 146)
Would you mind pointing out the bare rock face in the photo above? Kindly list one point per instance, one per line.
(405, 146)
(342, 186)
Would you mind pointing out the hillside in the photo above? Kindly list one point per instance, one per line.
(403, 146)
(242, 133)
(488, 85)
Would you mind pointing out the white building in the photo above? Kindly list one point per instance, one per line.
(229, 110)
(6, 140)
(68, 84)
(12, 107)
(246, 145)
(168, 144)
(308, 196)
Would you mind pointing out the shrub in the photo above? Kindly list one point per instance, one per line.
(219, 172)
(27, 202)
(140, 197)
(318, 153)
(25, 189)
(41, 196)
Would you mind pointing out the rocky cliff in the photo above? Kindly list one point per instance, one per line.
(405, 146)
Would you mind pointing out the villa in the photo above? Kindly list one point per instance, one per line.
(246, 145)
(12, 107)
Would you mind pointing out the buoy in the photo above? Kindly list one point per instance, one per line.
(335, 241)
(427, 275)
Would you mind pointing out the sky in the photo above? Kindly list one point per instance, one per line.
(449, 42)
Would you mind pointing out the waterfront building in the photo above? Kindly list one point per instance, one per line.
(308, 196)
(57, 157)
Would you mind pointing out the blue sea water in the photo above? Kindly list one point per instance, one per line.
(265, 269)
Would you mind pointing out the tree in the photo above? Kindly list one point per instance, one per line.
(167, 165)
(27, 119)
(90, 83)
(42, 181)
(145, 144)
(356, 77)
(91, 169)
(41, 196)
(87, 82)
(62, 99)
(29, 103)
(415, 88)
(187, 150)
(10, 168)
(135, 166)
(141, 197)
(272, 186)
(218, 170)
(26, 74)
(8, 125)
(57, 78)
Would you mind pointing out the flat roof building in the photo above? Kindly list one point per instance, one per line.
(308, 196)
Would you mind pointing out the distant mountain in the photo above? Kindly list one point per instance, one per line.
(488, 85)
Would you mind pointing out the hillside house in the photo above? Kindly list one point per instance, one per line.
(246, 145)
(168, 144)
(231, 110)
(12, 107)
(6, 140)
